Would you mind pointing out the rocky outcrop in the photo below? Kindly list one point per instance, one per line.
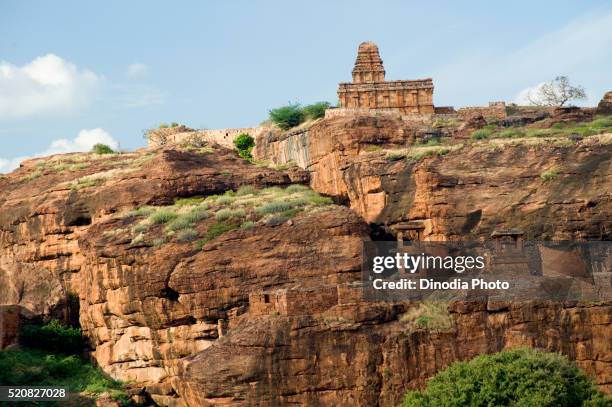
(363, 355)
(605, 104)
(271, 314)
(468, 190)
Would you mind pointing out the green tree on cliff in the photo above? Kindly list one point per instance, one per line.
(517, 378)
(288, 116)
(244, 143)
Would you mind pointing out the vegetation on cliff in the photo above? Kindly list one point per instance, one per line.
(519, 377)
(51, 355)
(292, 115)
(244, 144)
(205, 219)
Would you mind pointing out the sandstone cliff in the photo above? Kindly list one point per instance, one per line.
(270, 314)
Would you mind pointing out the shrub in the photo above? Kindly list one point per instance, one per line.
(141, 228)
(248, 225)
(519, 377)
(509, 133)
(292, 189)
(33, 367)
(481, 134)
(225, 200)
(316, 110)
(187, 235)
(102, 149)
(288, 116)
(53, 337)
(163, 125)
(275, 207)
(246, 190)
(143, 211)
(244, 144)
(429, 315)
(162, 216)
(549, 175)
(217, 229)
(179, 223)
(189, 201)
(227, 213)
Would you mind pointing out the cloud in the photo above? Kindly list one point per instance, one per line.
(522, 98)
(136, 69)
(579, 49)
(84, 141)
(48, 84)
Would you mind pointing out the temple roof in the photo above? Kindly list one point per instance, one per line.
(368, 65)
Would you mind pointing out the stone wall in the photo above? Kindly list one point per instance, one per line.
(495, 110)
(223, 137)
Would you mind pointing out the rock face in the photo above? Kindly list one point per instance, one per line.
(352, 355)
(468, 190)
(10, 322)
(272, 315)
(605, 105)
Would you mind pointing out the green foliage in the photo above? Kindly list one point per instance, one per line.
(163, 125)
(246, 190)
(142, 211)
(187, 235)
(189, 201)
(288, 116)
(217, 229)
(53, 337)
(33, 367)
(162, 216)
(248, 225)
(428, 315)
(102, 149)
(244, 143)
(316, 110)
(549, 175)
(481, 134)
(518, 378)
(174, 124)
(227, 213)
(296, 188)
(275, 207)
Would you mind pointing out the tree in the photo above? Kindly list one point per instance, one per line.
(288, 116)
(244, 143)
(102, 149)
(556, 93)
(316, 110)
(517, 378)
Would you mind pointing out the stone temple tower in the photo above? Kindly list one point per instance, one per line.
(368, 66)
(370, 91)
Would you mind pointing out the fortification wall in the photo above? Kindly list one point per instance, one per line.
(495, 110)
(223, 137)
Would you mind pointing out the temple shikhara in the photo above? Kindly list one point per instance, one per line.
(369, 90)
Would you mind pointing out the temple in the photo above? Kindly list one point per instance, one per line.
(369, 90)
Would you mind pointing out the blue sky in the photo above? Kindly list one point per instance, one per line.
(74, 72)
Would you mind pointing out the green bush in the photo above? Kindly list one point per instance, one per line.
(549, 175)
(227, 213)
(34, 367)
(187, 235)
(295, 188)
(246, 190)
(519, 378)
(244, 143)
(53, 337)
(288, 116)
(217, 229)
(102, 149)
(275, 207)
(481, 134)
(162, 216)
(316, 110)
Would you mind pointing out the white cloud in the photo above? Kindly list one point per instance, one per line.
(84, 141)
(48, 84)
(522, 98)
(579, 49)
(136, 69)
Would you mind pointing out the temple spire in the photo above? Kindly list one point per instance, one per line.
(368, 66)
